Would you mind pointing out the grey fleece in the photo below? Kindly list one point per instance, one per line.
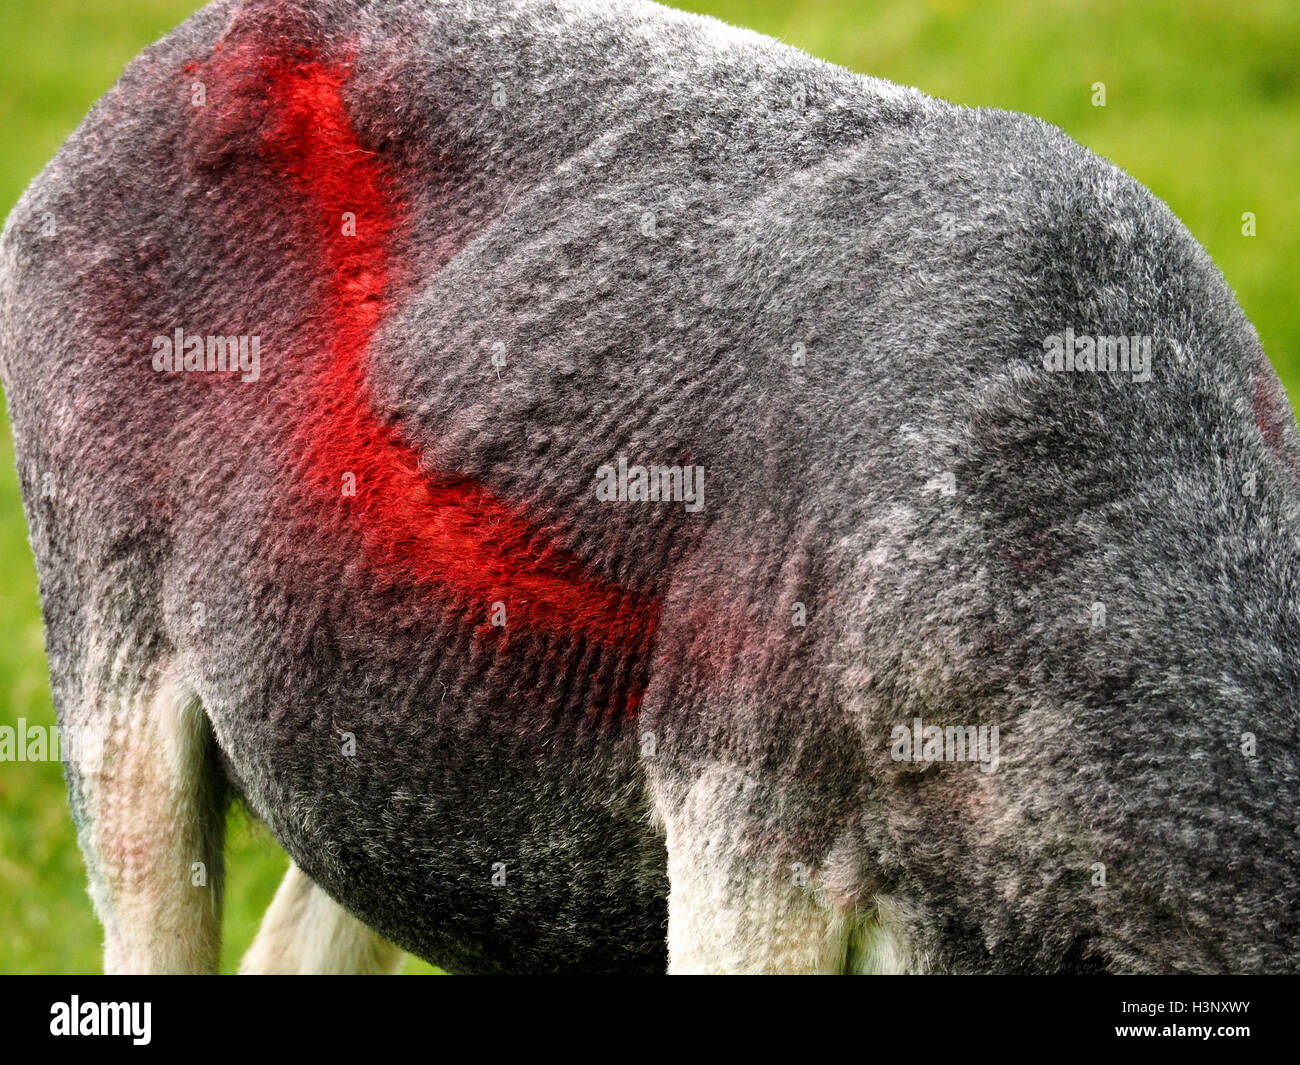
(628, 232)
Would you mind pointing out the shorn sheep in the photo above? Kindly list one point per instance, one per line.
(613, 493)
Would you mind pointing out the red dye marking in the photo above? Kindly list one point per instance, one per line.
(1266, 416)
(1275, 420)
(445, 533)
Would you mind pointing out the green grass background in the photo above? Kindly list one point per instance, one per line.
(1203, 106)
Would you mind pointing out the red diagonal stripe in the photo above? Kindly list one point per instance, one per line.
(444, 533)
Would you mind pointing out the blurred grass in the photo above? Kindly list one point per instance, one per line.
(1203, 106)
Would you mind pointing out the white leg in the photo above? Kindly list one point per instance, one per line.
(737, 907)
(151, 820)
(305, 931)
